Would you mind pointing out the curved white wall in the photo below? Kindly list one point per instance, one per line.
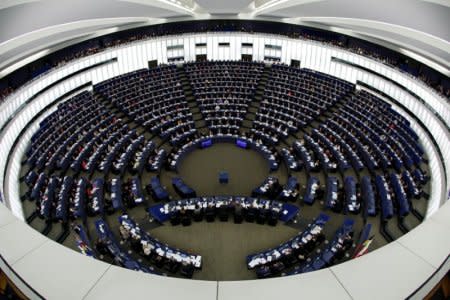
(312, 55)
(406, 262)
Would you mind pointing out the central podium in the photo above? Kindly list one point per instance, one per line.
(223, 177)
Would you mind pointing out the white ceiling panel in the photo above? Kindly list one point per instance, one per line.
(424, 16)
(413, 23)
(37, 15)
(224, 6)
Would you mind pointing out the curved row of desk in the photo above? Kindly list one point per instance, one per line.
(239, 141)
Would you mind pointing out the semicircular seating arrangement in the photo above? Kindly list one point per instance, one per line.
(241, 141)
(97, 162)
(224, 91)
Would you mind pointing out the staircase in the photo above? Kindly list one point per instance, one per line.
(253, 107)
(126, 119)
(190, 98)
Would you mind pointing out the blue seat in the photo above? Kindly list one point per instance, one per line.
(312, 189)
(387, 208)
(368, 196)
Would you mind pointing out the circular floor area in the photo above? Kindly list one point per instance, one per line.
(246, 168)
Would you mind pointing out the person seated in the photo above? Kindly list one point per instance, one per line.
(288, 258)
(124, 233)
(238, 213)
(272, 217)
(159, 261)
(261, 216)
(210, 213)
(101, 247)
(263, 272)
(300, 253)
(223, 213)
(187, 270)
(185, 218)
(277, 267)
(136, 243)
(198, 213)
(175, 218)
(251, 214)
(146, 249)
(171, 266)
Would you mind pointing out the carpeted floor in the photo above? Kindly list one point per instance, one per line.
(246, 169)
(224, 245)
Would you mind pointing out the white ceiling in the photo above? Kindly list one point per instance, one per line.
(417, 14)
(34, 15)
(422, 26)
(224, 6)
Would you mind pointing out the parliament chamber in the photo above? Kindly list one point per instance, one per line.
(225, 159)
